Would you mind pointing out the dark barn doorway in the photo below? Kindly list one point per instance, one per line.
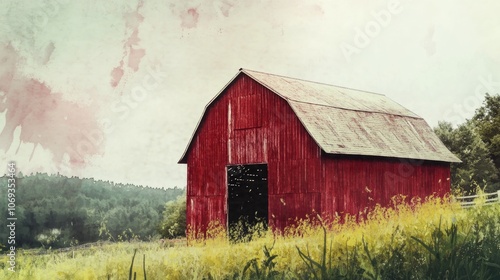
(247, 199)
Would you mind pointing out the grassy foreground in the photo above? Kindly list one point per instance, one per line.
(430, 240)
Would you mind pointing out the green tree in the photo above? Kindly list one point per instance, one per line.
(487, 121)
(174, 218)
(476, 167)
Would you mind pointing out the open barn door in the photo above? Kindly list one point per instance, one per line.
(247, 198)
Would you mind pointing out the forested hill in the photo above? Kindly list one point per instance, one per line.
(57, 211)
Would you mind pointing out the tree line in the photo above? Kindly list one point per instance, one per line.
(477, 143)
(58, 211)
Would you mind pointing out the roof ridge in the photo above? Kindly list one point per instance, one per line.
(338, 89)
(309, 81)
(350, 109)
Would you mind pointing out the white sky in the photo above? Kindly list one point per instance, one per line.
(436, 58)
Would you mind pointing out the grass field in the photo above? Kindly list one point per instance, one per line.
(430, 240)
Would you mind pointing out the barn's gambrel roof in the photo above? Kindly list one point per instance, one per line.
(352, 122)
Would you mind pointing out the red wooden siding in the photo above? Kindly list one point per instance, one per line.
(353, 183)
(248, 124)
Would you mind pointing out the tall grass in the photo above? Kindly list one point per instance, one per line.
(433, 239)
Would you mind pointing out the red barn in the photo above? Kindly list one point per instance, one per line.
(277, 148)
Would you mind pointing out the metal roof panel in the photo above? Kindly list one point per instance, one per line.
(340, 131)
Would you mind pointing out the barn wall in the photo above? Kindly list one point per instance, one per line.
(207, 161)
(353, 183)
(250, 124)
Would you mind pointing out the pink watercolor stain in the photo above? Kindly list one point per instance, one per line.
(45, 56)
(135, 54)
(224, 7)
(45, 118)
(117, 74)
(189, 19)
(132, 53)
